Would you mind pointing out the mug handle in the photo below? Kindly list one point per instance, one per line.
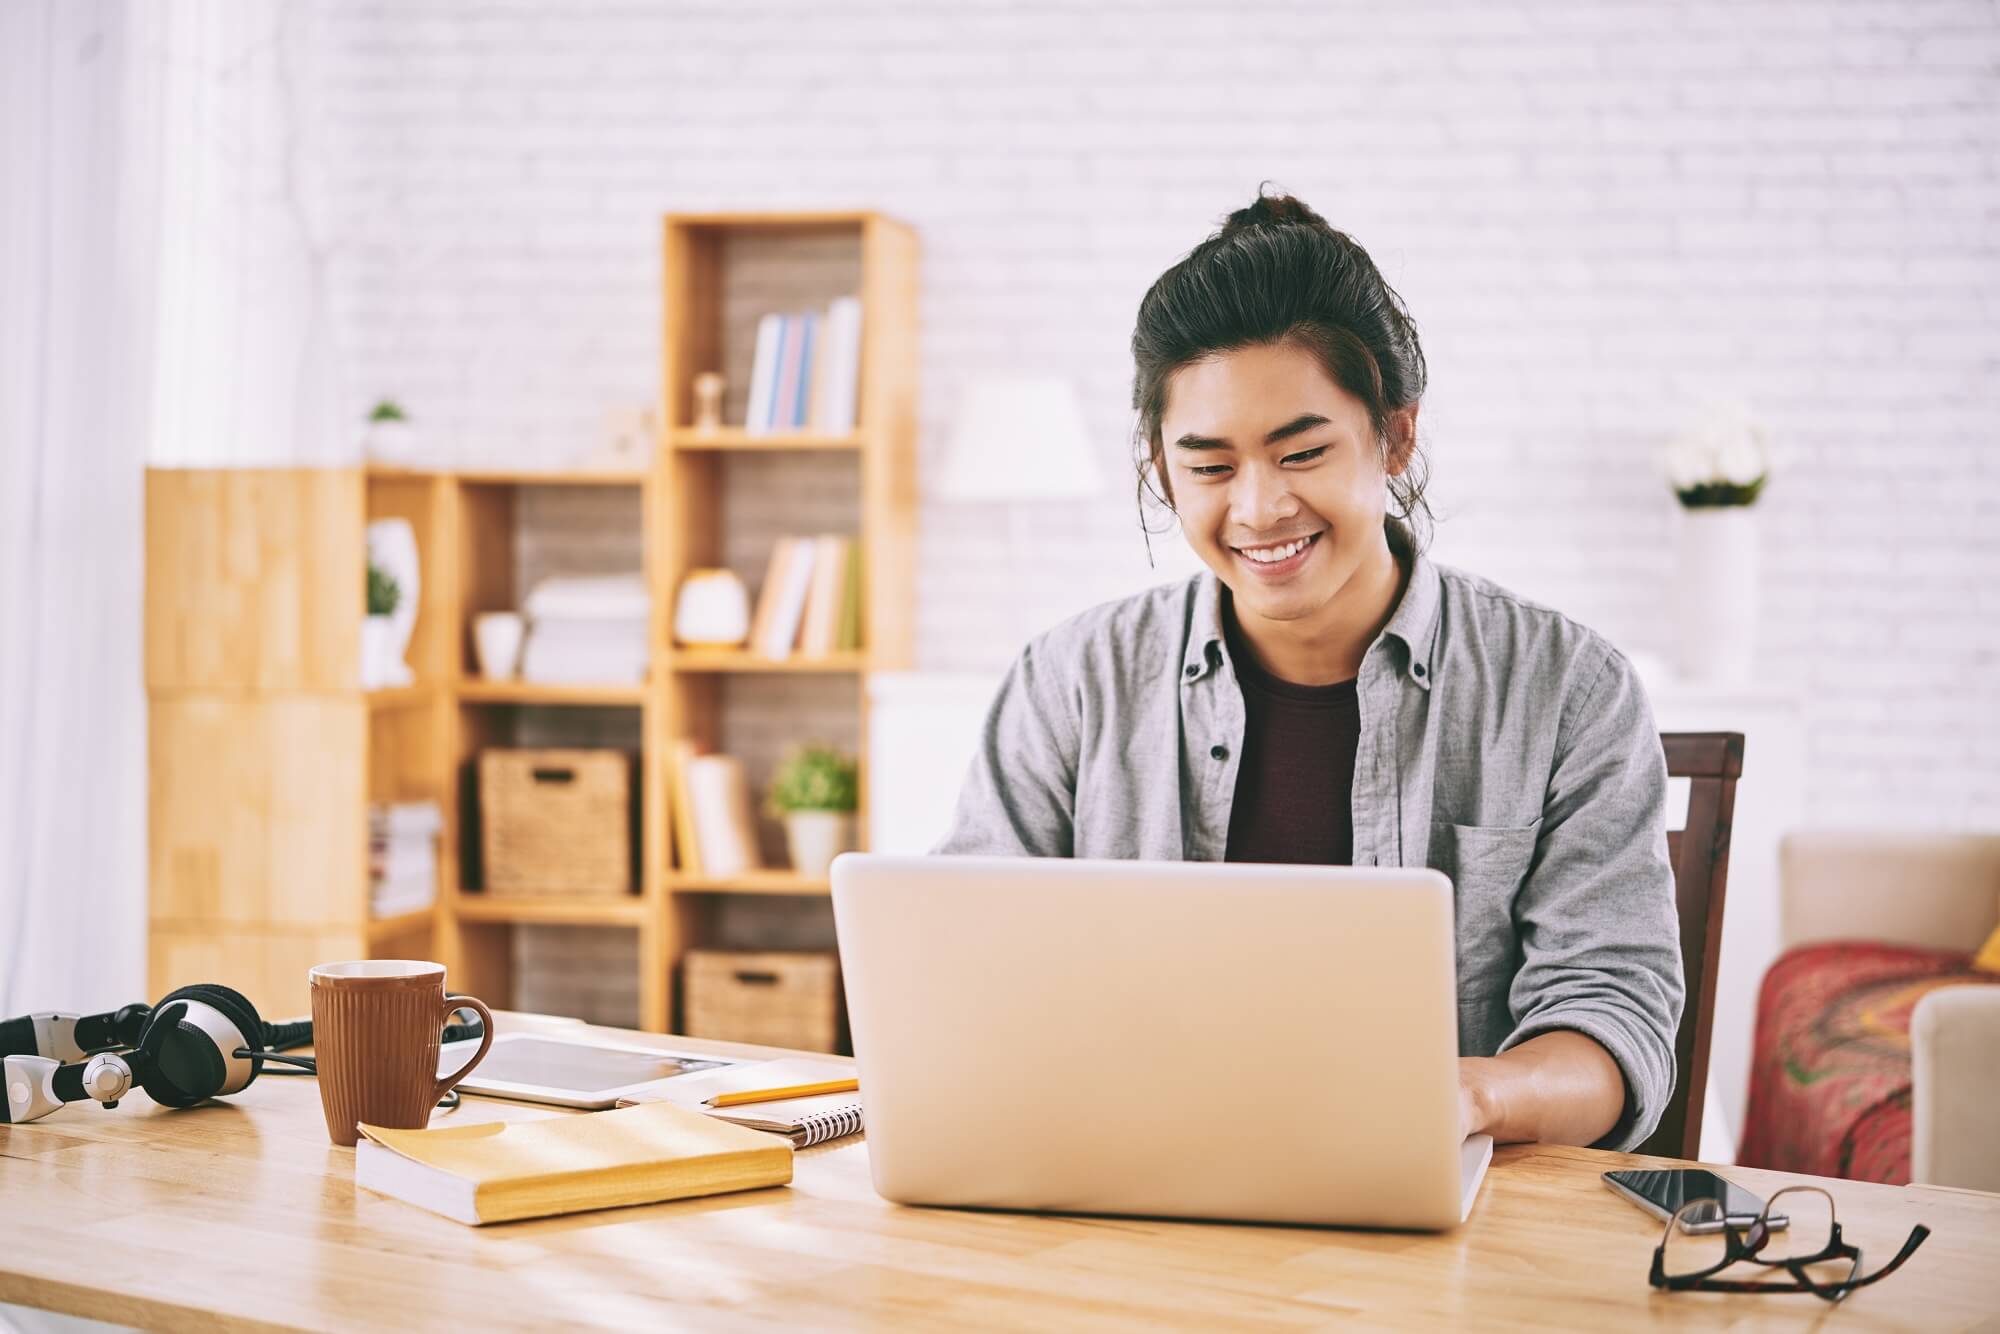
(452, 1003)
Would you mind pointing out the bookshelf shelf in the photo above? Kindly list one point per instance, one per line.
(688, 660)
(516, 476)
(401, 697)
(621, 695)
(382, 929)
(735, 438)
(626, 910)
(754, 882)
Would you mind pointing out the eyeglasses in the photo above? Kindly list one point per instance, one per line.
(1796, 1233)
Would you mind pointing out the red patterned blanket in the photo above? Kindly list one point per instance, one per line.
(1830, 1076)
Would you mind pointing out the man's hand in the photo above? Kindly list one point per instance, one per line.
(1559, 1088)
(1477, 1113)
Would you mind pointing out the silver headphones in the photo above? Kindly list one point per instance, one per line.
(200, 1042)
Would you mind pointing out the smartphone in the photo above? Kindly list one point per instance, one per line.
(1662, 1194)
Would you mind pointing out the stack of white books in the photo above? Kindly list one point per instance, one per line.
(402, 857)
(587, 630)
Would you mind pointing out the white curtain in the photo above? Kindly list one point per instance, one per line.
(77, 247)
(162, 300)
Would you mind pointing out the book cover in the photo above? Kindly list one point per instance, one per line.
(763, 369)
(822, 622)
(683, 810)
(788, 612)
(767, 593)
(785, 395)
(808, 341)
(849, 638)
(498, 1171)
(724, 828)
(846, 370)
(820, 390)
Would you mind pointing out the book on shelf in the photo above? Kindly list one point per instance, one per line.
(763, 372)
(821, 630)
(792, 565)
(721, 837)
(810, 601)
(402, 856)
(683, 811)
(805, 370)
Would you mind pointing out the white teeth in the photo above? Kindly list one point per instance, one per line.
(1272, 555)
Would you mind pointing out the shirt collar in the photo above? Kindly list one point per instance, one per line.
(1414, 622)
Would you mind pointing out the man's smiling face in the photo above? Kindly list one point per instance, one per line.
(1277, 477)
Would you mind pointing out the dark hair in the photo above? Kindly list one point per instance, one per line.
(1276, 272)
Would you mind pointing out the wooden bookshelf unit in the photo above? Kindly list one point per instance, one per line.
(266, 752)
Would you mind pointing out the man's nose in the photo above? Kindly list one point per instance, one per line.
(1261, 499)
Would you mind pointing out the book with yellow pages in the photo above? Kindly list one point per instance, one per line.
(498, 1171)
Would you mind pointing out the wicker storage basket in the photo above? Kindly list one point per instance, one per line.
(556, 821)
(773, 999)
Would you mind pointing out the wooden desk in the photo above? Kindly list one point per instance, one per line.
(241, 1215)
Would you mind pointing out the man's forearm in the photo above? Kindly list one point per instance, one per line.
(1559, 1088)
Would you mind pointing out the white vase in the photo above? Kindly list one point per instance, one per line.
(392, 547)
(1715, 595)
(378, 652)
(496, 641)
(816, 838)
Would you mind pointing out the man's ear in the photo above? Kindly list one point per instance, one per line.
(1402, 445)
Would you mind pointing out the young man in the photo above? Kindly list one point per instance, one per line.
(1325, 693)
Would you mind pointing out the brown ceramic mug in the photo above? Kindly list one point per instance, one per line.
(377, 1027)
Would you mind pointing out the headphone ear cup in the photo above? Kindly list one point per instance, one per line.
(177, 1062)
(233, 1005)
(187, 1066)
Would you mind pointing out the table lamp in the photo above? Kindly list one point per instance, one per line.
(1019, 437)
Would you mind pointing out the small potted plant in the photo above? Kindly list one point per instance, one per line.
(378, 630)
(390, 437)
(815, 792)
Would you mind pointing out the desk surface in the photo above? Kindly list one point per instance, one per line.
(241, 1215)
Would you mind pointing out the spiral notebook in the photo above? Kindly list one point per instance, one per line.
(804, 1121)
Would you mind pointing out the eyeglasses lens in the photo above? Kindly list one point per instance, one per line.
(1808, 1233)
(1695, 1242)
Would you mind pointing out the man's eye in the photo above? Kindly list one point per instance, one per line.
(1305, 455)
(1210, 469)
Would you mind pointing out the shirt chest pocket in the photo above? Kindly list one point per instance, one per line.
(1486, 864)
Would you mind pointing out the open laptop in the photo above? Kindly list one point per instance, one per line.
(1176, 1039)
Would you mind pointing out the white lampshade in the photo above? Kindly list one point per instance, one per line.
(1019, 437)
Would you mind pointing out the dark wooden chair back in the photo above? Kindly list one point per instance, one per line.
(1712, 761)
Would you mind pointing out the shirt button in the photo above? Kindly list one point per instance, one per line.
(1418, 669)
(1218, 752)
(1193, 670)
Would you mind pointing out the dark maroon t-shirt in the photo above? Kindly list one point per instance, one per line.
(1295, 777)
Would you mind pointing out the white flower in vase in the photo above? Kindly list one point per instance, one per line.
(1717, 469)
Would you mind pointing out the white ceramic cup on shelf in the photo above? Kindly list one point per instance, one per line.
(496, 640)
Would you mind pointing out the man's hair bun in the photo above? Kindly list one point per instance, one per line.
(1273, 211)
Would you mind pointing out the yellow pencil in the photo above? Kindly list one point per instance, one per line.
(790, 1091)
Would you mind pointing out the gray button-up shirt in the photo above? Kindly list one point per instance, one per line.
(1501, 743)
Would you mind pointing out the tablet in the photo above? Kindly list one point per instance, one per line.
(529, 1067)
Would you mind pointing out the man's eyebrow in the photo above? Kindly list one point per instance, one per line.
(1303, 422)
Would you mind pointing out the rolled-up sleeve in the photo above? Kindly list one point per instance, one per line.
(1599, 934)
(1019, 796)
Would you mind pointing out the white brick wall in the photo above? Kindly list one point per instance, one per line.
(1597, 213)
